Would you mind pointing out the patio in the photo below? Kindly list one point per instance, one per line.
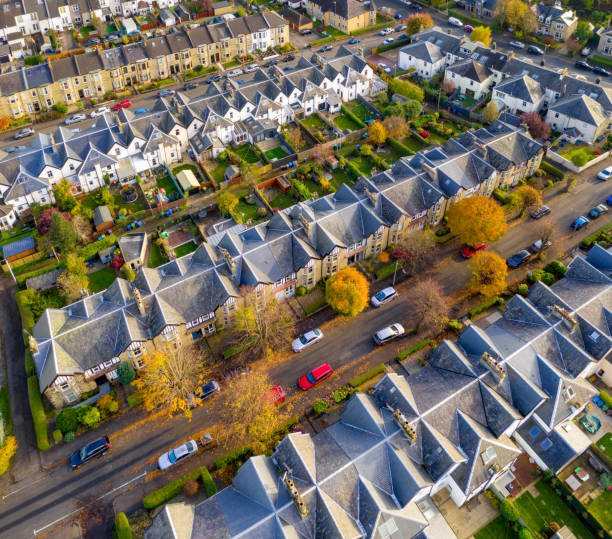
(467, 519)
(588, 488)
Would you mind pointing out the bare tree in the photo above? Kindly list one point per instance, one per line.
(547, 229)
(320, 153)
(448, 86)
(431, 305)
(416, 251)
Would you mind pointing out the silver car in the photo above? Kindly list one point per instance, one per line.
(307, 339)
(182, 452)
(74, 119)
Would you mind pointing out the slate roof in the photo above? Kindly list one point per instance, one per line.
(472, 70)
(346, 9)
(582, 108)
(424, 50)
(522, 87)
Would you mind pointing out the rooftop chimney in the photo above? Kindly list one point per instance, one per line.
(139, 303)
(304, 222)
(231, 263)
(487, 361)
(431, 172)
(373, 196)
(33, 345)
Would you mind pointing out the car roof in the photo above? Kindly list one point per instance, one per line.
(321, 369)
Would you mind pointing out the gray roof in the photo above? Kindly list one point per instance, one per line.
(580, 107)
(346, 9)
(522, 87)
(472, 70)
(101, 215)
(424, 50)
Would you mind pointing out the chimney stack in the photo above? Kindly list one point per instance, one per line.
(139, 303)
(373, 196)
(304, 222)
(431, 172)
(231, 263)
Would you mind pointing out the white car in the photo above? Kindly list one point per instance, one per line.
(385, 68)
(586, 51)
(250, 68)
(304, 341)
(517, 44)
(99, 112)
(384, 296)
(388, 40)
(605, 173)
(74, 119)
(385, 31)
(182, 452)
(455, 22)
(388, 334)
(234, 73)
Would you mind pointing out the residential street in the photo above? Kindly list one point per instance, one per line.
(38, 500)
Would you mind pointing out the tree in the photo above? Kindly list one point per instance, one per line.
(546, 230)
(5, 121)
(294, 138)
(448, 86)
(347, 292)
(62, 234)
(509, 510)
(82, 226)
(169, 380)
(431, 305)
(511, 12)
(104, 197)
(126, 373)
(417, 22)
(74, 278)
(489, 272)
(477, 219)
(377, 133)
(67, 420)
(528, 197)
(412, 109)
(246, 171)
(396, 126)
(241, 11)
(7, 452)
(407, 89)
(481, 34)
(97, 23)
(606, 480)
(43, 222)
(584, 31)
(394, 109)
(536, 126)
(64, 199)
(490, 112)
(226, 202)
(524, 533)
(262, 325)
(321, 153)
(416, 250)
(248, 409)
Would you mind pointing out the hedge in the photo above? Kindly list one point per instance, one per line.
(5, 410)
(29, 363)
(495, 300)
(599, 60)
(209, 485)
(394, 45)
(604, 396)
(418, 346)
(552, 170)
(398, 146)
(352, 170)
(21, 277)
(134, 399)
(500, 196)
(26, 315)
(38, 414)
(387, 270)
(368, 375)
(166, 493)
(421, 139)
(592, 238)
(122, 527)
(465, 18)
(322, 41)
(352, 116)
(92, 249)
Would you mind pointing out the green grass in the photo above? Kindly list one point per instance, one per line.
(344, 122)
(185, 249)
(339, 177)
(605, 444)
(334, 32)
(359, 110)
(496, 529)
(246, 152)
(467, 100)
(187, 166)
(601, 509)
(231, 64)
(86, 30)
(313, 122)
(133, 206)
(363, 164)
(248, 211)
(282, 201)
(101, 279)
(218, 171)
(577, 153)
(167, 184)
(413, 144)
(7, 237)
(155, 256)
(111, 28)
(276, 153)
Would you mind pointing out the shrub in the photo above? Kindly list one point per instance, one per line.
(605, 396)
(209, 485)
(301, 189)
(368, 375)
(547, 278)
(104, 401)
(455, 324)
(300, 291)
(89, 416)
(134, 399)
(128, 273)
(67, 420)
(240, 453)
(69, 437)
(340, 394)
(191, 488)
(113, 407)
(509, 510)
(553, 171)
(524, 533)
(122, 527)
(320, 406)
(57, 436)
(523, 289)
(166, 493)
(38, 414)
(418, 346)
(126, 373)
(60, 107)
(495, 300)
(558, 269)
(500, 196)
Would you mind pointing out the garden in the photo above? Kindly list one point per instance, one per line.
(275, 153)
(580, 155)
(246, 152)
(277, 199)
(318, 128)
(360, 110)
(101, 279)
(345, 123)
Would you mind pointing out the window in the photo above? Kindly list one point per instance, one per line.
(49, 174)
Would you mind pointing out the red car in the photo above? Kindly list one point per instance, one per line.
(123, 105)
(275, 395)
(468, 28)
(470, 250)
(315, 376)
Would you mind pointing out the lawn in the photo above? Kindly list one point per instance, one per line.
(155, 256)
(333, 32)
(282, 201)
(133, 207)
(605, 444)
(185, 249)
(601, 509)
(313, 122)
(167, 184)
(413, 144)
(248, 211)
(339, 177)
(579, 156)
(496, 529)
(246, 152)
(467, 101)
(276, 153)
(218, 171)
(101, 279)
(359, 110)
(364, 165)
(228, 65)
(344, 122)
(86, 30)
(7, 237)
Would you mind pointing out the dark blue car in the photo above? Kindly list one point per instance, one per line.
(97, 448)
(518, 258)
(580, 222)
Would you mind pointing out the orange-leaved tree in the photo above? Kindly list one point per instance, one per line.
(528, 197)
(489, 272)
(347, 292)
(431, 305)
(477, 219)
(377, 133)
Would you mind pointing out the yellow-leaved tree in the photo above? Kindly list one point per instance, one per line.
(347, 292)
(7, 452)
(377, 133)
(477, 219)
(528, 197)
(489, 272)
(481, 34)
(226, 202)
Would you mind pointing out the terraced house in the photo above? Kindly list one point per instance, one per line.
(191, 297)
(93, 74)
(452, 429)
(344, 15)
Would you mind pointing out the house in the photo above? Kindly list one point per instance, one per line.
(555, 21)
(519, 94)
(8, 218)
(296, 20)
(133, 248)
(102, 218)
(19, 249)
(482, 8)
(432, 50)
(470, 78)
(343, 15)
(582, 114)
(604, 46)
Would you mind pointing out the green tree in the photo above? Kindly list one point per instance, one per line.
(105, 198)
(126, 373)
(490, 112)
(412, 109)
(524, 533)
(63, 197)
(407, 89)
(584, 31)
(226, 202)
(74, 278)
(67, 420)
(509, 510)
(62, 235)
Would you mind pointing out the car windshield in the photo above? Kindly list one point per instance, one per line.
(172, 456)
(310, 377)
(303, 339)
(83, 453)
(380, 295)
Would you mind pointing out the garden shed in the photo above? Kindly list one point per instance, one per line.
(102, 218)
(187, 180)
(19, 249)
(231, 172)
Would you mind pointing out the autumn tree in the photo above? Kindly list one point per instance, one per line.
(295, 138)
(247, 171)
(62, 234)
(262, 325)
(43, 222)
(396, 126)
(377, 133)
(226, 202)
(490, 112)
(489, 272)
(5, 121)
(511, 12)
(97, 23)
(448, 86)
(247, 409)
(64, 198)
(407, 89)
(170, 378)
(481, 34)
(536, 125)
(321, 153)
(431, 306)
(7, 452)
(417, 22)
(73, 279)
(477, 219)
(82, 226)
(347, 292)
(415, 251)
(528, 197)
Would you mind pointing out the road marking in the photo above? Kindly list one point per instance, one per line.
(25, 486)
(36, 532)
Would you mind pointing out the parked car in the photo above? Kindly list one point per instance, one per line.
(271, 63)
(354, 41)
(532, 49)
(385, 31)
(23, 133)
(605, 173)
(189, 86)
(388, 41)
(385, 68)
(537, 246)
(203, 393)
(315, 376)
(601, 71)
(122, 105)
(598, 211)
(517, 44)
(214, 78)
(307, 339)
(398, 15)
(234, 73)
(99, 112)
(586, 51)
(165, 93)
(326, 48)
(540, 212)
(182, 452)
(455, 22)
(518, 258)
(13, 149)
(400, 28)
(94, 449)
(306, 31)
(402, 36)
(388, 334)
(74, 119)
(142, 110)
(384, 296)
(92, 41)
(289, 58)
(609, 200)
(581, 64)
(275, 395)
(468, 28)
(470, 250)
(580, 222)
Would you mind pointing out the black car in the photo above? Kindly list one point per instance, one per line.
(326, 48)
(289, 58)
(540, 212)
(97, 448)
(601, 71)
(583, 65)
(532, 49)
(190, 86)
(214, 78)
(271, 63)
(518, 258)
